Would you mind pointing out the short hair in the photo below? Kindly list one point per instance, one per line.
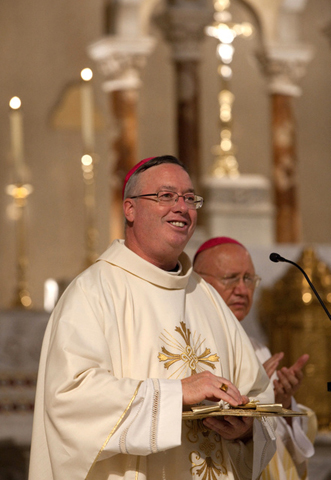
(155, 161)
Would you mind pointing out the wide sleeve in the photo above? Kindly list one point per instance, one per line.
(296, 436)
(153, 423)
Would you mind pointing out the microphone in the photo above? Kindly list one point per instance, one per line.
(275, 257)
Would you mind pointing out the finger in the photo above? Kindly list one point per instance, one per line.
(272, 363)
(293, 377)
(231, 396)
(287, 380)
(229, 427)
(298, 374)
(277, 357)
(218, 425)
(278, 388)
(239, 422)
(300, 363)
(290, 376)
(235, 422)
(221, 426)
(245, 400)
(248, 421)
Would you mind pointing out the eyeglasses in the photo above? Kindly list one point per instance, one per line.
(191, 200)
(250, 281)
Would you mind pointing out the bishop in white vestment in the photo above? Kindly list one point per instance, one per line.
(118, 345)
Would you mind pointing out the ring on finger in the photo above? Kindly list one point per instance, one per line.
(224, 387)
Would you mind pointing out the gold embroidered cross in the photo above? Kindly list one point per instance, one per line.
(187, 353)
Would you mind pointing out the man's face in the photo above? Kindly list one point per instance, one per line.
(157, 232)
(228, 261)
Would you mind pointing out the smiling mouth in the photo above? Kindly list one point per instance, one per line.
(178, 224)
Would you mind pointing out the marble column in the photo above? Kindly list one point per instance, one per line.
(327, 31)
(284, 66)
(183, 27)
(121, 59)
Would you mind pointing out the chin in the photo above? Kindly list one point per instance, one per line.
(240, 315)
(179, 243)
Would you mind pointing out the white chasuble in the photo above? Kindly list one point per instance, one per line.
(294, 442)
(109, 398)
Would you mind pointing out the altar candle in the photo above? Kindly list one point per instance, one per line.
(16, 131)
(87, 110)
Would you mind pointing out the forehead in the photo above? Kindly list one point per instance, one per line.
(165, 176)
(231, 258)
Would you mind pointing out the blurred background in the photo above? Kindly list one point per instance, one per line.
(239, 91)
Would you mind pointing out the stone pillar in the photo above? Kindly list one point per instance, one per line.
(284, 66)
(288, 222)
(240, 208)
(327, 31)
(183, 27)
(121, 59)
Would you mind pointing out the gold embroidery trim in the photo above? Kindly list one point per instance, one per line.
(113, 430)
(124, 435)
(155, 415)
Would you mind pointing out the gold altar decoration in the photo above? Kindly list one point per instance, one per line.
(225, 31)
(296, 324)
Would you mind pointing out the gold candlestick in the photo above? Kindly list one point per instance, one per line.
(225, 31)
(16, 135)
(19, 192)
(88, 163)
(91, 232)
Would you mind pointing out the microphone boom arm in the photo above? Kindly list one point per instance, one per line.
(311, 286)
(275, 257)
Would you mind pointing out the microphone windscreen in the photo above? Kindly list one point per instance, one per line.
(274, 257)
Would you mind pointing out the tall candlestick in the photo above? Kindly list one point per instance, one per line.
(16, 131)
(87, 110)
(20, 195)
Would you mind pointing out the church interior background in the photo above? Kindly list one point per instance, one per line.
(259, 154)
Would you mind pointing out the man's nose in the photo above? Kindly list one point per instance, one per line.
(241, 286)
(181, 205)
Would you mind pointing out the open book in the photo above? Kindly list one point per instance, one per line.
(251, 409)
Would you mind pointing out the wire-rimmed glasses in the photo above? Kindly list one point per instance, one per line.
(191, 200)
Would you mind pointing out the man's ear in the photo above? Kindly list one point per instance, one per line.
(129, 209)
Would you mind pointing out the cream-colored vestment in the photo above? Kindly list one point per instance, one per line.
(109, 398)
(294, 443)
